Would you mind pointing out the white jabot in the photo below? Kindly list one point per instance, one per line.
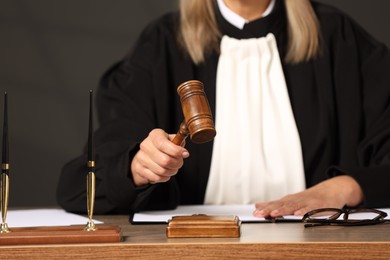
(257, 152)
(237, 20)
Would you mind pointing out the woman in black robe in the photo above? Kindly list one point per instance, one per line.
(339, 93)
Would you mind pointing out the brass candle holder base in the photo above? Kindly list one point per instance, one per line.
(4, 228)
(90, 226)
(61, 235)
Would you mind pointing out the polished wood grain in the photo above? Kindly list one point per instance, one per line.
(257, 241)
(60, 235)
(203, 226)
(198, 120)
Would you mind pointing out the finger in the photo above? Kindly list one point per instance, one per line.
(163, 166)
(285, 209)
(136, 170)
(264, 209)
(161, 163)
(304, 210)
(296, 204)
(151, 177)
(154, 158)
(284, 206)
(172, 136)
(144, 175)
(160, 141)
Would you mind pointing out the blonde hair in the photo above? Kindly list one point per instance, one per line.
(199, 33)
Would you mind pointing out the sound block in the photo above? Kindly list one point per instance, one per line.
(203, 226)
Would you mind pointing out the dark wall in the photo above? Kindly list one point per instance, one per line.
(52, 52)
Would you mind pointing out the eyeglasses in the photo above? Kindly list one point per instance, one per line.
(351, 217)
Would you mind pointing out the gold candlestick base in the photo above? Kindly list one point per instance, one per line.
(4, 228)
(90, 226)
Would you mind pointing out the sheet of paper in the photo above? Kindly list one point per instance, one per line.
(244, 212)
(44, 218)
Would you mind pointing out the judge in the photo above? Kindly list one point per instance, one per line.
(300, 96)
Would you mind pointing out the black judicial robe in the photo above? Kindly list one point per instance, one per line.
(340, 102)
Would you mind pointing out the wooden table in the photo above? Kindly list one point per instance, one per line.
(260, 240)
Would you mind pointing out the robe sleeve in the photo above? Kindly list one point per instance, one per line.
(372, 60)
(127, 112)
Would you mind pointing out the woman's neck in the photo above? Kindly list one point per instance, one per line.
(248, 9)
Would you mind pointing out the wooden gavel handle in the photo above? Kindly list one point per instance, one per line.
(182, 134)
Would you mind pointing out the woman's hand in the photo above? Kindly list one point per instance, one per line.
(158, 159)
(336, 192)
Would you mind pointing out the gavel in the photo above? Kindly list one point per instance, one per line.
(198, 120)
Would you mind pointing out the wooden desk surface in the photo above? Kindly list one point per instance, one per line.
(260, 240)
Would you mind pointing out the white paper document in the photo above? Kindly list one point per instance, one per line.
(44, 218)
(244, 212)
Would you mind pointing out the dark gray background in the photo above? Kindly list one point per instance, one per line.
(52, 52)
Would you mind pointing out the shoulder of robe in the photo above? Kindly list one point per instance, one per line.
(155, 38)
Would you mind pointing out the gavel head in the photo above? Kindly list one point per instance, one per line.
(196, 110)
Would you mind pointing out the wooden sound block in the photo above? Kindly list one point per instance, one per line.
(60, 235)
(203, 226)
